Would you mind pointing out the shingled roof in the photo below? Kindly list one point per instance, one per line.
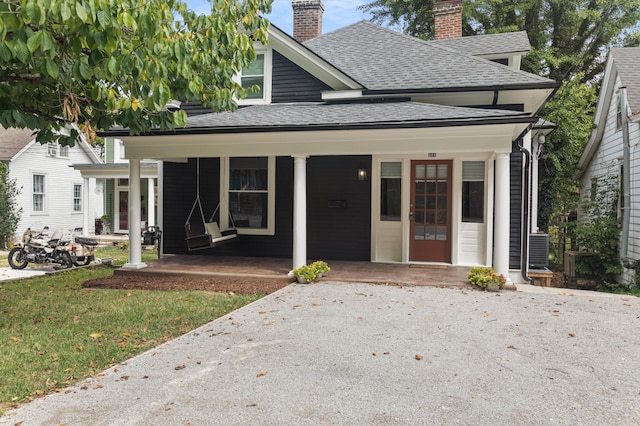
(310, 115)
(384, 60)
(487, 44)
(12, 141)
(627, 62)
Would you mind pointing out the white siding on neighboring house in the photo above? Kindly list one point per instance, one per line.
(59, 181)
(608, 159)
(634, 228)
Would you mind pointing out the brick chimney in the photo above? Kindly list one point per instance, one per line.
(448, 19)
(307, 19)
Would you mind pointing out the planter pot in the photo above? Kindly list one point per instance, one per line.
(302, 280)
(493, 287)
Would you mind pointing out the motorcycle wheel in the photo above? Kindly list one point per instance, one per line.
(65, 260)
(17, 258)
(81, 261)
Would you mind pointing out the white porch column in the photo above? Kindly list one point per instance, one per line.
(135, 243)
(151, 211)
(299, 211)
(501, 214)
(85, 207)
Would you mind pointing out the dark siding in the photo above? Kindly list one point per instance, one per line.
(515, 208)
(338, 233)
(280, 244)
(332, 233)
(290, 83)
(180, 193)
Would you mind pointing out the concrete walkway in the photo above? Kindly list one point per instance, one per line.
(349, 353)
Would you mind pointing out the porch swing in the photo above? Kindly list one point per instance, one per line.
(202, 234)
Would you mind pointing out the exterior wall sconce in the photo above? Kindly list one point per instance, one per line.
(362, 173)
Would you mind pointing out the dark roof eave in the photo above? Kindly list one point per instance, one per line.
(524, 86)
(521, 119)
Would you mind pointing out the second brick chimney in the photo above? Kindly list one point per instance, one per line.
(307, 19)
(448, 19)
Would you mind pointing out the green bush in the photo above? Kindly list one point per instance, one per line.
(320, 267)
(482, 276)
(307, 271)
(600, 233)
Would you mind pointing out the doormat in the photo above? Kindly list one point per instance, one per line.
(428, 266)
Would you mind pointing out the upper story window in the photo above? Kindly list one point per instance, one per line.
(54, 149)
(257, 73)
(619, 115)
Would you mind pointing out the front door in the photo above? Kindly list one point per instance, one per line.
(430, 211)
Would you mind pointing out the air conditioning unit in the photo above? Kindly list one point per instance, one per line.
(538, 251)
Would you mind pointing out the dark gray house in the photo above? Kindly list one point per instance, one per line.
(363, 144)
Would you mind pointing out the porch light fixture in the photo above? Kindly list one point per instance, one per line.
(362, 173)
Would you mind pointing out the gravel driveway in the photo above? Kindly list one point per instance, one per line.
(335, 353)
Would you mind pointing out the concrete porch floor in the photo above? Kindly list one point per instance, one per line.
(343, 271)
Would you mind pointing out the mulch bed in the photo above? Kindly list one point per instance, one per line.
(222, 284)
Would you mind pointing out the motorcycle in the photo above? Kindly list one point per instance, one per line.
(82, 250)
(39, 245)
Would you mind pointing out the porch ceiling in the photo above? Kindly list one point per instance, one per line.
(460, 139)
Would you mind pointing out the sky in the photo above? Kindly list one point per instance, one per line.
(337, 13)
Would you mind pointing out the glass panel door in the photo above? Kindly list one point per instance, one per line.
(430, 211)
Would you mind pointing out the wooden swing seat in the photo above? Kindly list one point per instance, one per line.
(207, 235)
(202, 234)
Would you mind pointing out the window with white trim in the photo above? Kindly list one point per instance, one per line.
(473, 191)
(77, 198)
(257, 73)
(63, 151)
(390, 191)
(52, 149)
(38, 191)
(248, 194)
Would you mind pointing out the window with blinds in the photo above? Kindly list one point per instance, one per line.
(390, 191)
(473, 191)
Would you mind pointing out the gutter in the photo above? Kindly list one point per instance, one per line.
(498, 87)
(526, 190)
(626, 183)
(520, 119)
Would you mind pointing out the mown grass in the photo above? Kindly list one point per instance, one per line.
(54, 333)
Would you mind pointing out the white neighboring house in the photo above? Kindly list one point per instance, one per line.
(616, 124)
(114, 172)
(52, 192)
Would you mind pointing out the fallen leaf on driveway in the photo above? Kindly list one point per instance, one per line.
(180, 367)
(418, 357)
(261, 374)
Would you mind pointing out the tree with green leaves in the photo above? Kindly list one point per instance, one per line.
(67, 65)
(10, 212)
(572, 108)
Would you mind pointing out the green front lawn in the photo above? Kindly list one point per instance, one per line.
(54, 333)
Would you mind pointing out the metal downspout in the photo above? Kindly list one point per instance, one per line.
(626, 176)
(526, 191)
